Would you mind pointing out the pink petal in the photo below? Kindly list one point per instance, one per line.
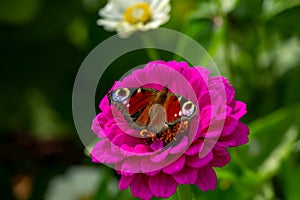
(104, 103)
(124, 138)
(206, 179)
(221, 156)
(131, 165)
(157, 145)
(196, 162)
(199, 80)
(222, 85)
(153, 173)
(230, 126)
(176, 166)
(194, 148)
(204, 99)
(180, 147)
(237, 138)
(102, 153)
(205, 116)
(125, 181)
(112, 130)
(103, 118)
(141, 148)
(187, 176)
(239, 109)
(162, 185)
(229, 92)
(147, 166)
(139, 187)
(126, 149)
(160, 156)
(97, 128)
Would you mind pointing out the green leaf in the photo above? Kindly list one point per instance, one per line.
(248, 9)
(271, 165)
(286, 22)
(290, 81)
(266, 133)
(205, 10)
(199, 30)
(228, 6)
(290, 180)
(273, 7)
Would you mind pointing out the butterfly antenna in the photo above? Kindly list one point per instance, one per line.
(166, 88)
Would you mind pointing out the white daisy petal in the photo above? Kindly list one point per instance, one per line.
(111, 10)
(125, 30)
(154, 4)
(111, 16)
(121, 4)
(108, 24)
(162, 5)
(155, 24)
(126, 17)
(162, 14)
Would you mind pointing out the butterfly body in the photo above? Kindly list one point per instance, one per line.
(153, 112)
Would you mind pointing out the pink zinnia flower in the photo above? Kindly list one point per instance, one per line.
(183, 153)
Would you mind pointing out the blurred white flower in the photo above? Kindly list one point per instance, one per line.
(128, 16)
(79, 182)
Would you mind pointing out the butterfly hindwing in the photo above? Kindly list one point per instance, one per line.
(172, 107)
(178, 108)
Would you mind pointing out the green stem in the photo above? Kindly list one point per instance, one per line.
(184, 192)
(152, 53)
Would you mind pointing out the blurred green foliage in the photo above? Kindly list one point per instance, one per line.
(255, 44)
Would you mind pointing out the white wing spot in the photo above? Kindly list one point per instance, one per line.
(188, 108)
(180, 113)
(121, 95)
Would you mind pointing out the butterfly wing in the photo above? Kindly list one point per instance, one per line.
(138, 105)
(172, 107)
(134, 103)
(178, 108)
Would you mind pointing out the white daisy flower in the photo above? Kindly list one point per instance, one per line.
(128, 16)
(79, 182)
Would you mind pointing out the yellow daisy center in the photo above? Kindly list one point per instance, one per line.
(139, 12)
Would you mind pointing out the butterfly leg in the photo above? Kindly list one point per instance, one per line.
(146, 133)
(184, 126)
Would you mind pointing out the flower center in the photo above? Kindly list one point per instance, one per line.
(168, 135)
(139, 12)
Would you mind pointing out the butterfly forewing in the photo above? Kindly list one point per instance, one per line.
(134, 104)
(140, 99)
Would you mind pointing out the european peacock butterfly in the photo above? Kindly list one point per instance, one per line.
(157, 114)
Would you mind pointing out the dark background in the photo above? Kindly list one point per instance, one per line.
(255, 44)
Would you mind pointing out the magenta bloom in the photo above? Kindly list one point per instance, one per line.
(177, 140)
